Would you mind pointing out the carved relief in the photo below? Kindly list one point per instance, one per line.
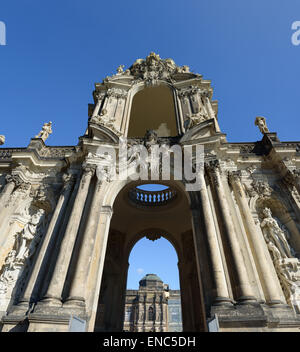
(283, 256)
(288, 271)
(259, 188)
(154, 68)
(106, 120)
(275, 236)
(25, 244)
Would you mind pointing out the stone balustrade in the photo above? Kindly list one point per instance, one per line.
(151, 198)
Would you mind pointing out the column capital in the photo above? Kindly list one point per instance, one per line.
(16, 179)
(89, 169)
(234, 176)
(68, 181)
(99, 95)
(214, 171)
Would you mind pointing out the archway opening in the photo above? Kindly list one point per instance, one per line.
(169, 216)
(153, 109)
(153, 301)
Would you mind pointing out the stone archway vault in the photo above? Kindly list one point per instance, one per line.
(129, 224)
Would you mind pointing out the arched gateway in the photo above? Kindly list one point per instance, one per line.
(69, 216)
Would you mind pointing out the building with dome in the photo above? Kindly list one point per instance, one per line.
(70, 215)
(153, 307)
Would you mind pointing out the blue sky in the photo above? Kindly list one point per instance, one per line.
(57, 50)
(158, 257)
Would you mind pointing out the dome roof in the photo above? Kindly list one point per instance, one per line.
(151, 277)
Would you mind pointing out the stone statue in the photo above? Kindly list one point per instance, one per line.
(103, 119)
(24, 238)
(24, 247)
(120, 69)
(274, 236)
(261, 123)
(195, 119)
(2, 139)
(151, 138)
(7, 275)
(46, 130)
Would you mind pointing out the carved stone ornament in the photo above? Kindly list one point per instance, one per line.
(288, 271)
(16, 179)
(259, 188)
(106, 121)
(275, 237)
(213, 168)
(68, 181)
(260, 121)
(120, 69)
(117, 93)
(193, 90)
(153, 68)
(45, 132)
(24, 247)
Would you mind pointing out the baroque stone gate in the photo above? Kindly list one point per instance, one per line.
(67, 229)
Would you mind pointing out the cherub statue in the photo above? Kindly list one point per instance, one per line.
(46, 130)
(260, 121)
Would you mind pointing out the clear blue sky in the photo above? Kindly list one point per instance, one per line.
(158, 257)
(57, 50)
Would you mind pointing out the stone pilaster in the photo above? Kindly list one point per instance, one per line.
(221, 293)
(77, 290)
(266, 272)
(99, 98)
(12, 181)
(41, 264)
(244, 291)
(94, 279)
(55, 288)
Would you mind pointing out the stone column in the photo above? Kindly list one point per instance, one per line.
(99, 97)
(214, 254)
(210, 110)
(266, 272)
(245, 291)
(55, 288)
(12, 181)
(78, 285)
(94, 280)
(41, 263)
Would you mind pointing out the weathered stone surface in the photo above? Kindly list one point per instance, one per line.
(68, 224)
